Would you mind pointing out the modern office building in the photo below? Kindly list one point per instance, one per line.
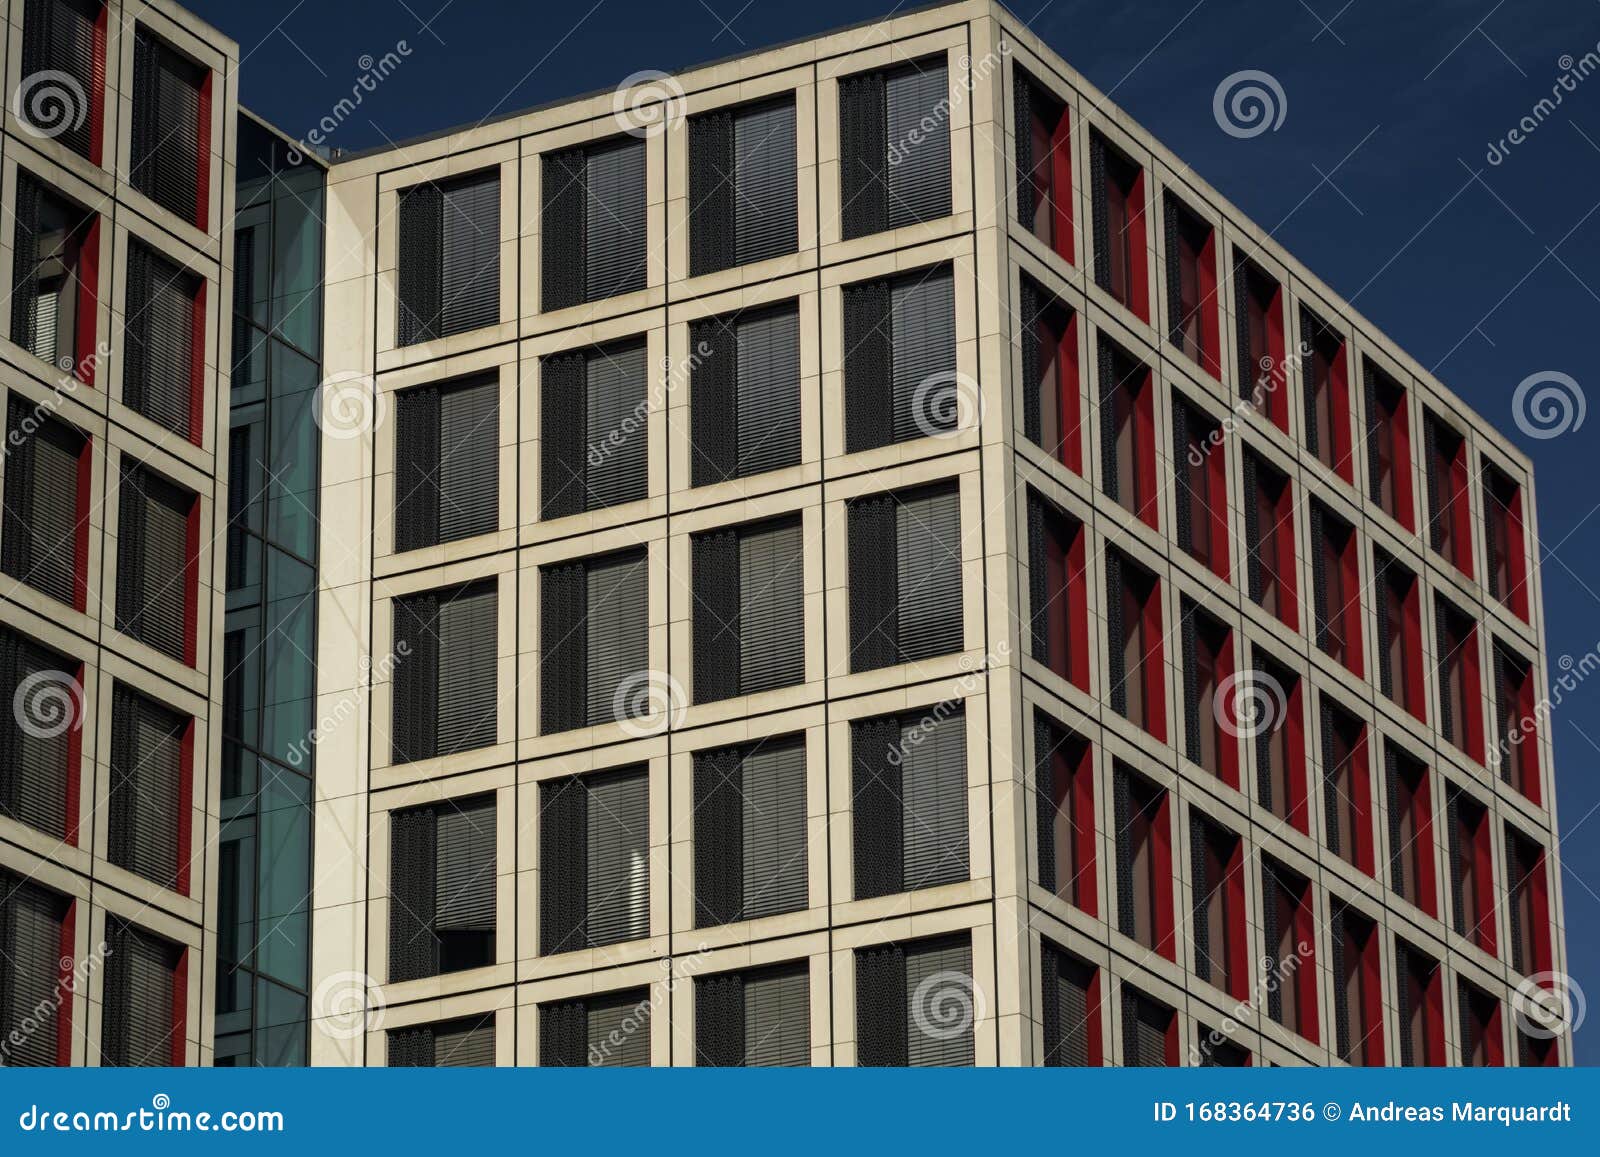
(848, 555)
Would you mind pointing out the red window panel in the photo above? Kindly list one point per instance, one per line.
(1357, 990)
(1336, 583)
(1449, 510)
(1411, 869)
(1258, 313)
(1421, 1008)
(1192, 311)
(1503, 529)
(1217, 890)
(1050, 367)
(191, 584)
(1269, 538)
(1327, 386)
(1399, 607)
(1389, 446)
(1059, 592)
(1280, 736)
(67, 980)
(185, 839)
(1122, 263)
(1517, 756)
(1347, 787)
(1210, 695)
(1067, 820)
(1482, 1035)
(1201, 487)
(1128, 431)
(1538, 1052)
(1045, 165)
(1291, 939)
(1472, 870)
(1143, 817)
(180, 1008)
(1460, 680)
(1138, 688)
(1528, 892)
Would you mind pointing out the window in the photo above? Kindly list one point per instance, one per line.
(1117, 195)
(1290, 932)
(1528, 895)
(1388, 445)
(1502, 524)
(1421, 1012)
(759, 1018)
(1127, 431)
(1336, 587)
(1192, 286)
(55, 273)
(1144, 861)
(170, 150)
(750, 832)
(447, 462)
(592, 228)
(742, 185)
(1064, 799)
(1214, 1050)
(1058, 591)
(145, 999)
(1269, 540)
(909, 800)
(446, 673)
(1460, 695)
(1518, 752)
(40, 736)
(1481, 1043)
(442, 888)
(1541, 1051)
(158, 532)
(1070, 992)
(593, 447)
(1280, 739)
(1471, 869)
(1200, 490)
(894, 147)
(1051, 407)
(610, 1031)
(1410, 829)
(1327, 393)
(67, 37)
(1346, 786)
(148, 824)
(898, 987)
(594, 860)
(163, 377)
(1399, 606)
(1217, 889)
(1133, 636)
(1258, 314)
(44, 535)
(900, 379)
(905, 577)
(749, 610)
(1357, 989)
(1149, 1031)
(745, 394)
(1044, 163)
(1209, 731)
(594, 626)
(36, 967)
(448, 257)
(1449, 508)
(467, 1043)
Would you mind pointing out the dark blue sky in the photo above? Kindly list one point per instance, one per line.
(1377, 180)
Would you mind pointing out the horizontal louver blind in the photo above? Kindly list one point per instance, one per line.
(773, 828)
(918, 169)
(771, 608)
(1067, 1001)
(940, 1003)
(618, 905)
(39, 533)
(618, 632)
(777, 1016)
(35, 760)
(468, 642)
(138, 1026)
(768, 376)
(464, 1044)
(614, 219)
(934, 798)
(147, 761)
(619, 1030)
(464, 881)
(164, 586)
(167, 133)
(922, 324)
(765, 181)
(159, 376)
(617, 449)
(469, 460)
(1144, 1031)
(470, 274)
(30, 971)
(59, 36)
(928, 550)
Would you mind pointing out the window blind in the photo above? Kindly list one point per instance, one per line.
(442, 888)
(594, 448)
(758, 1018)
(767, 408)
(31, 951)
(445, 673)
(1064, 989)
(750, 831)
(413, 864)
(593, 231)
(39, 534)
(147, 768)
(61, 36)
(742, 185)
(595, 641)
(910, 801)
(938, 979)
(419, 274)
(34, 764)
(159, 374)
(594, 860)
(447, 463)
(900, 359)
(465, 1043)
(138, 1025)
(611, 1031)
(906, 605)
(448, 252)
(749, 610)
(1144, 1030)
(464, 881)
(894, 147)
(167, 133)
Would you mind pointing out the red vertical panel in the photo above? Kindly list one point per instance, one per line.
(1161, 870)
(66, 978)
(84, 499)
(186, 764)
(1278, 398)
(1542, 958)
(1172, 1040)
(74, 798)
(1077, 613)
(1139, 252)
(1061, 184)
(1404, 499)
(1238, 936)
(1422, 817)
(1096, 1045)
(1493, 1034)
(1372, 997)
(1227, 744)
(1483, 882)
(1433, 1001)
(1083, 836)
(1516, 546)
(1350, 567)
(97, 82)
(197, 366)
(1361, 780)
(1217, 508)
(1295, 737)
(1416, 701)
(1305, 976)
(1339, 386)
(202, 173)
(1071, 403)
(85, 340)
(1461, 509)
(1210, 329)
(1151, 666)
(1283, 534)
(1472, 676)
(180, 1009)
(1144, 431)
